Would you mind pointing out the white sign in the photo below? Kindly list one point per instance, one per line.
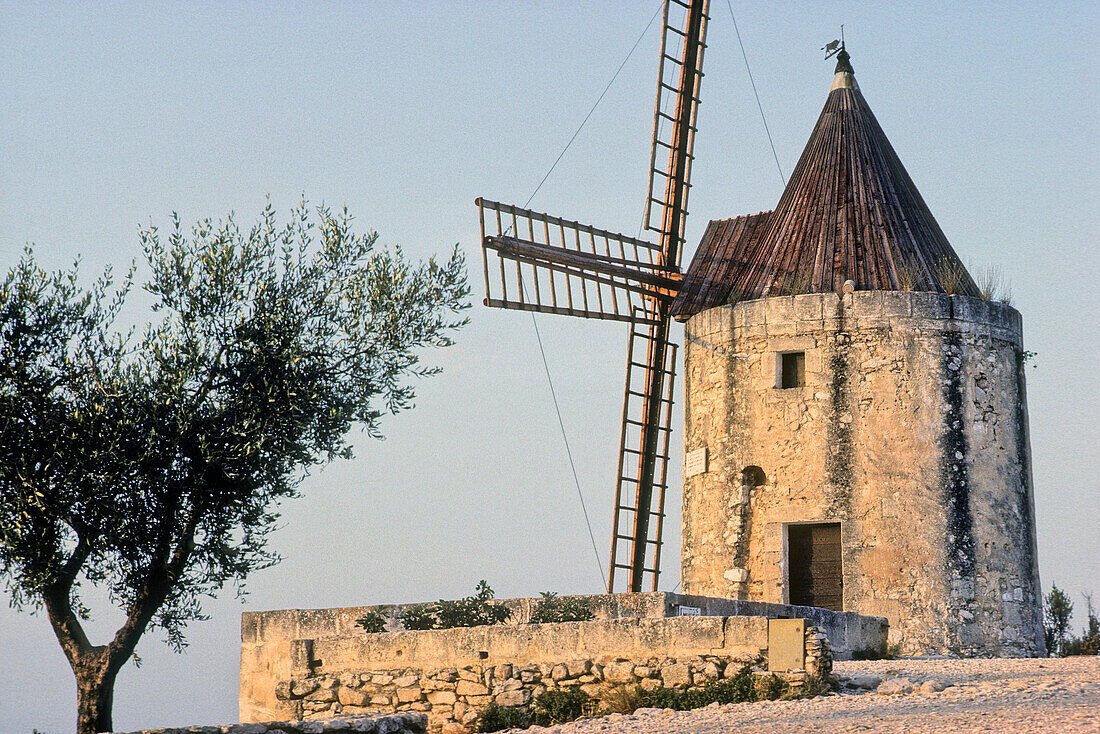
(695, 462)
(682, 611)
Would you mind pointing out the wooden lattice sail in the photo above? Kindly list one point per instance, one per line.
(538, 262)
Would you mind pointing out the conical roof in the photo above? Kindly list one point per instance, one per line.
(850, 211)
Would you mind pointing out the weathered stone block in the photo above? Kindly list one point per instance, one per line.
(409, 694)
(470, 688)
(897, 304)
(352, 697)
(619, 672)
(678, 674)
(444, 698)
(518, 697)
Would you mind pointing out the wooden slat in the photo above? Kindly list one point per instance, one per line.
(849, 211)
(816, 577)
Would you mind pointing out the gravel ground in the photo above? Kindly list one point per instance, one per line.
(1017, 695)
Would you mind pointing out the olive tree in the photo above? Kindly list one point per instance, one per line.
(152, 462)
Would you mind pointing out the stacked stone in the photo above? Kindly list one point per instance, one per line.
(404, 723)
(819, 657)
(453, 698)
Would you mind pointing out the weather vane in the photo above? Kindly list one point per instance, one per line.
(832, 48)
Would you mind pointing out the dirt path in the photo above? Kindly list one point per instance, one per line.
(1035, 695)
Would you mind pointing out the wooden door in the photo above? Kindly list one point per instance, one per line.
(816, 578)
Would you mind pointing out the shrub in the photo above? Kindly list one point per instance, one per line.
(742, 687)
(811, 687)
(472, 611)
(418, 617)
(447, 614)
(624, 700)
(771, 687)
(664, 698)
(561, 705)
(1057, 610)
(496, 717)
(552, 608)
(372, 621)
(1089, 641)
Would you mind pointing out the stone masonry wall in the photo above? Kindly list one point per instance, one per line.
(403, 723)
(454, 697)
(910, 431)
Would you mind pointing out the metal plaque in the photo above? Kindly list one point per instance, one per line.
(786, 644)
(695, 462)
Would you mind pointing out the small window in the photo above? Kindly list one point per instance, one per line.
(792, 369)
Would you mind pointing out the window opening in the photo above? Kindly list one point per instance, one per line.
(792, 371)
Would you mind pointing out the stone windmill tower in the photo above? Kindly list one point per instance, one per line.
(856, 423)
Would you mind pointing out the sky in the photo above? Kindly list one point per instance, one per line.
(116, 114)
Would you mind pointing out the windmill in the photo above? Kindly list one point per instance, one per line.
(537, 262)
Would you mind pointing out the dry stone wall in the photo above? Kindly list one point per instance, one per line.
(403, 723)
(454, 697)
(910, 431)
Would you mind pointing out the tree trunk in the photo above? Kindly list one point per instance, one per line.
(95, 692)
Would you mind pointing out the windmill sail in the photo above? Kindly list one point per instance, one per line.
(538, 262)
(678, 81)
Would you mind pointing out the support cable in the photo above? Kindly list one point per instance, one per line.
(755, 94)
(534, 321)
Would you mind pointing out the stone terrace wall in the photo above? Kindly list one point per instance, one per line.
(706, 650)
(280, 647)
(404, 723)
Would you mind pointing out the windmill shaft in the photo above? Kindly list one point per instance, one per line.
(647, 461)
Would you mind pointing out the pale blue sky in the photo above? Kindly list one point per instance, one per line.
(116, 114)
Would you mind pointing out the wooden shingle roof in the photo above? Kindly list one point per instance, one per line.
(849, 212)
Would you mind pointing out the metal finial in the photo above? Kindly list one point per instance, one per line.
(842, 62)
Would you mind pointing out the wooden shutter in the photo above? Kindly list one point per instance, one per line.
(816, 577)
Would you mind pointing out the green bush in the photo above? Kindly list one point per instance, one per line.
(623, 700)
(447, 614)
(562, 705)
(496, 717)
(418, 617)
(472, 611)
(552, 608)
(372, 621)
(742, 687)
(771, 687)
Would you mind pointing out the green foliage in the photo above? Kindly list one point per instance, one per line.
(472, 611)
(153, 464)
(372, 622)
(1057, 610)
(811, 687)
(771, 687)
(1089, 641)
(561, 705)
(418, 617)
(552, 608)
(624, 700)
(496, 718)
(742, 687)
